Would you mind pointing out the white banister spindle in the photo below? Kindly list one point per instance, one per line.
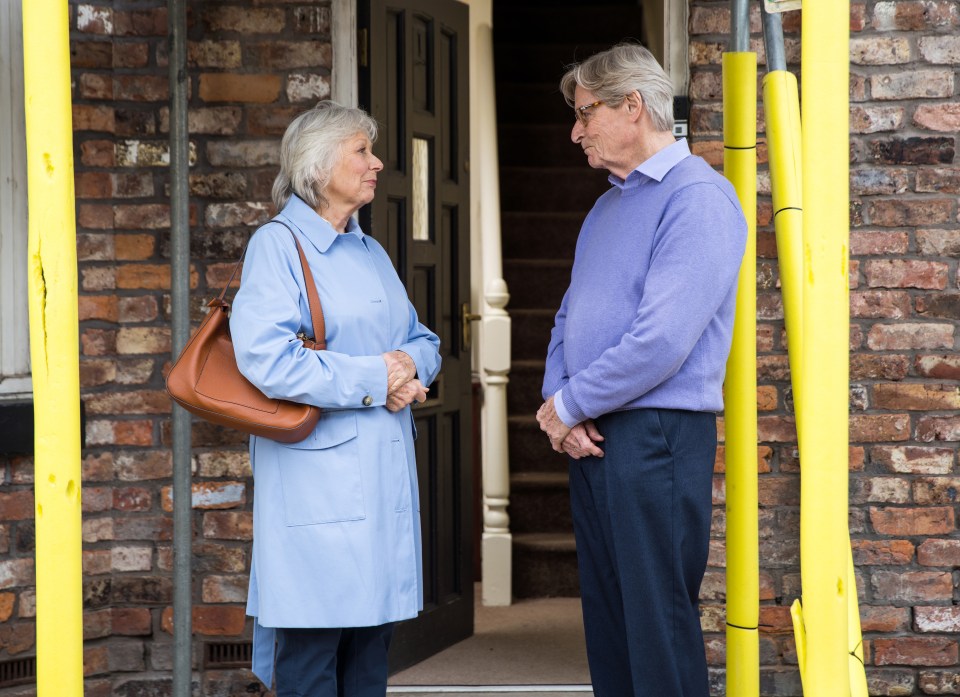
(490, 295)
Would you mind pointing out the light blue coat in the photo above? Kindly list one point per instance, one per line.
(336, 521)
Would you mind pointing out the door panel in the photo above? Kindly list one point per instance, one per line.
(414, 83)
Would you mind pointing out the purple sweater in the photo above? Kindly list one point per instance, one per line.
(648, 317)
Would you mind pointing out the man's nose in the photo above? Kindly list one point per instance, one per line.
(576, 133)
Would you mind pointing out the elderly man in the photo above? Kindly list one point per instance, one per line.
(634, 374)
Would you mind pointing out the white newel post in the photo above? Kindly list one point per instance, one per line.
(490, 296)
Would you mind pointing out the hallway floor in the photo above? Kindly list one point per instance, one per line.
(534, 647)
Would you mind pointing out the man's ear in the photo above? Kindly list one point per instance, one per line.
(634, 105)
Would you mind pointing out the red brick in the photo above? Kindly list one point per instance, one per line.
(137, 402)
(95, 86)
(895, 273)
(907, 522)
(138, 340)
(870, 428)
(150, 216)
(95, 216)
(132, 184)
(96, 624)
(134, 247)
(776, 429)
(141, 308)
(244, 20)
(96, 499)
(284, 55)
(228, 525)
(916, 396)
(879, 490)
(152, 22)
(940, 682)
(17, 505)
(874, 119)
(93, 117)
(914, 15)
(209, 495)
(939, 242)
(133, 433)
(943, 620)
(906, 213)
(939, 305)
(870, 552)
(225, 589)
(6, 605)
(246, 88)
(231, 463)
(211, 620)
(130, 621)
(130, 55)
(943, 367)
(885, 619)
(866, 366)
(91, 54)
(880, 304)
(97, 468)
(17, 638)
(132, 498)
(915, 651)
(939, 553)
(138, 465)
(97, 530)
(103, 307)
(936, 490)
(94, 278)
(143, 528)
(16, 572)
(908, 335)
(97, 153)
(877, 242)
(148, 276)
(930, 428)
(913, 459)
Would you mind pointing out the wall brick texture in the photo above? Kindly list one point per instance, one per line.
(253, 64)
(904, 312)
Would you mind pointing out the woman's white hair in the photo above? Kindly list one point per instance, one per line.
(311, 148)
(618, 71)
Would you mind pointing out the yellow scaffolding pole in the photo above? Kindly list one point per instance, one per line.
(782, 110)
(740, 388)
(53, 347)
(824, 552)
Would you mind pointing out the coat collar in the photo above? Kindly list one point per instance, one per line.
(317, 230)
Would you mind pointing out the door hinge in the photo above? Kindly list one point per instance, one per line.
(363, 48)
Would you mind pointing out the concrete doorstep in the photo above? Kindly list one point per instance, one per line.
(492, 690)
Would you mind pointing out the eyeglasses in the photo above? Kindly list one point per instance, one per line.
(583, 113)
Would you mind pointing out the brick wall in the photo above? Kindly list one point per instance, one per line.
(904, 396)
(253, 65)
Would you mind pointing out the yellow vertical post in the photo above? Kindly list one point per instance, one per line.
(54, 345)
(740, 387)
(782, 111)
(824, 550)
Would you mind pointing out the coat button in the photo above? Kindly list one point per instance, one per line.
(367, 401)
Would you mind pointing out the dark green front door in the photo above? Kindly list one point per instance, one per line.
(414, 81)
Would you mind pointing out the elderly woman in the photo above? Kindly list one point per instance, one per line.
(336, 524)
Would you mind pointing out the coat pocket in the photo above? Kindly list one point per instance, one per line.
(320, 476)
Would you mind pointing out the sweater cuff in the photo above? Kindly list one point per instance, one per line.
(567, 416)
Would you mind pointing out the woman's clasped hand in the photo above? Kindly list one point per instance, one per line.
(403, 387)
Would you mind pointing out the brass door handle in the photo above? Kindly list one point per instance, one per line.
(466, 317)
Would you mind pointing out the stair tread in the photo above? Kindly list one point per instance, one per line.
(546, 541)
(529, 480)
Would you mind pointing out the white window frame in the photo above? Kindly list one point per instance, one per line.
(15, 382)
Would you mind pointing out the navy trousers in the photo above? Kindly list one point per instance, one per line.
(641, 515)
(333, 662)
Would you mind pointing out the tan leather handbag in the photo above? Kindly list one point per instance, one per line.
(205, 379)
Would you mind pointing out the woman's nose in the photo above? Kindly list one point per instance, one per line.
(377, 164)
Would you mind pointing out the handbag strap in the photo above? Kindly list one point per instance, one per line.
(313, 298)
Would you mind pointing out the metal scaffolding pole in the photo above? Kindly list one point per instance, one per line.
(773, 40)
(739, 26)
(180, 299)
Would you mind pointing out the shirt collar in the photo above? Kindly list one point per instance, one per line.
(656, 166)
(320, 233)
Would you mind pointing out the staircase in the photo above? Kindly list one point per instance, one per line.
(546, 189)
